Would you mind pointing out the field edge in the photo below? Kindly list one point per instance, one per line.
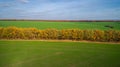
(83, 41)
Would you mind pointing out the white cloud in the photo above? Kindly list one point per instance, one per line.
(63, 9)
(5, 4)
(23, 1)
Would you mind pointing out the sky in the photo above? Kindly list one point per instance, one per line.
(60, 9)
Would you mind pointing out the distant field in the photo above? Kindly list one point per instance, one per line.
(58, 54)
(62, 25)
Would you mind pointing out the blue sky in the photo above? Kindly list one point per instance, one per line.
(60, 9)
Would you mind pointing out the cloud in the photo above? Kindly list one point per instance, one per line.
(2, 4)
(5, 5)
(62, 9)
(23, 1)
(71, 10)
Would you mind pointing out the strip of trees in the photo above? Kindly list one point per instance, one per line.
(61, 20)
(66, 34)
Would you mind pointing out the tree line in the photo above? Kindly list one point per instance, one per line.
(54, 34)
(60, 20)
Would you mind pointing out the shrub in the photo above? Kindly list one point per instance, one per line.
(69, 34)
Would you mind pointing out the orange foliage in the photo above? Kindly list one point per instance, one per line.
(69, 34)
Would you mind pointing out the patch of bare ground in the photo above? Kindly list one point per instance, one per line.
(59, 53)
(73, 65)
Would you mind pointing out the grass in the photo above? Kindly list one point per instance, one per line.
(58, 54)
(61, 25)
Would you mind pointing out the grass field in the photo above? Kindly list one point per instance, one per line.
(61, 25)
(58, 54)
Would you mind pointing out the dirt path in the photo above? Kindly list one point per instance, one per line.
(83, 41)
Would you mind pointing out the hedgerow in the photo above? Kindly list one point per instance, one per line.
(66, 34)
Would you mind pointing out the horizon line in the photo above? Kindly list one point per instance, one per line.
(60, 20)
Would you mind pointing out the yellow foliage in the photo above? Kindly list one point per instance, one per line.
(69, 34)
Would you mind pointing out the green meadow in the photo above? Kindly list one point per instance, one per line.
(58, 54)
(62, 25)
(31, 53)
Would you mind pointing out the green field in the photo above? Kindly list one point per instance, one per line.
(61, 25)
(58, 54)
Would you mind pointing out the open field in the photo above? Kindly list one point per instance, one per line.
(62, 25)
(58, 54)
(31, 53)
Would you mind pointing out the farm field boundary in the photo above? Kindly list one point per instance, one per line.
(61, 20)
(62, 41)
(53, 34)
